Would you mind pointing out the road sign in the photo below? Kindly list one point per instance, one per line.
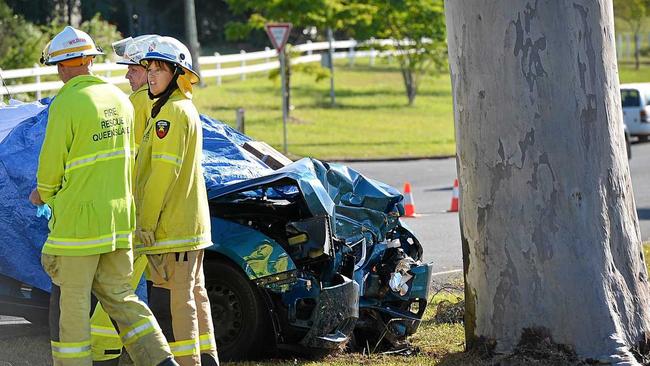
(278, 33)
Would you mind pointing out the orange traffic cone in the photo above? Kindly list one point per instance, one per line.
(409, 205)
(454, 198)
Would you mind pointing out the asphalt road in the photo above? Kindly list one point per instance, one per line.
(640, 169)
(431, 182)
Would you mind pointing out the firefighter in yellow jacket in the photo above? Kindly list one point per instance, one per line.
(84, 174)
(173, 220)
(131, 51)
(105, 341)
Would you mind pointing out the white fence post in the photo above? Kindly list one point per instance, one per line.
(38, 81)
(372, 51)
(351, 53)
(309, 51)
(108, 72)
(619, 45)
(216, 54)
(243, 63)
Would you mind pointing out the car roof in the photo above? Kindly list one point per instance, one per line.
(640, 86)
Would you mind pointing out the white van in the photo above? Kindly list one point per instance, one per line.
(635, 100)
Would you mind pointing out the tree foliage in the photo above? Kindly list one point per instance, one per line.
(20, 44)
(418, 27)
(633, 13)
(341, 15)
(102, 32)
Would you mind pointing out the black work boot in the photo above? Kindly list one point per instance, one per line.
(168, 362)
(208, 360)
(112, 362)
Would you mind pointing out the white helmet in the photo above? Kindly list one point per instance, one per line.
(131, 50)
(171, 50)
(68, 44)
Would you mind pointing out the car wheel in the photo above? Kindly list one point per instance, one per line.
(239, 314)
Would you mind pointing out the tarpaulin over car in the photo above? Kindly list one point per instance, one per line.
(22, 234)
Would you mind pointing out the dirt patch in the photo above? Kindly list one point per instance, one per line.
(536, 348)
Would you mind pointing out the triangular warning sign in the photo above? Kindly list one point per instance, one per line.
(278, 34)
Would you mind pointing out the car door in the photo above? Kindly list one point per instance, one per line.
(631, 103)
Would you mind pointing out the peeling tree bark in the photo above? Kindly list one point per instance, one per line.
(549, 227)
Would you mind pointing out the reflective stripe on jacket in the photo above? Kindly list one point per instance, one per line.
(85, 169)
(170, 193)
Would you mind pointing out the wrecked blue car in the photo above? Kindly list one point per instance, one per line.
(307, 258)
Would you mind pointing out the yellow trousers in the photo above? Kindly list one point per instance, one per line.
(106, 344)
(107, 276)
(180, 303)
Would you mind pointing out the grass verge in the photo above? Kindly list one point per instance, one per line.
(371, 118)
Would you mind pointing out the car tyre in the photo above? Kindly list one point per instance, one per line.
(628, 147)
(240, 316)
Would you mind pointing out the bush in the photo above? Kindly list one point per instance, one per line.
(101, 31)
(21, 42)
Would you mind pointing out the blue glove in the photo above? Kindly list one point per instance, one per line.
(44, 211)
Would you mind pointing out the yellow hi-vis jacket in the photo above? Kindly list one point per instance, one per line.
(142, 106)
(170, 192)
(85, 167)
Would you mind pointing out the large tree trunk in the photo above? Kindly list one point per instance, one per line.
(191, 34)
(68, 11)
(549, 230)
(410, 84)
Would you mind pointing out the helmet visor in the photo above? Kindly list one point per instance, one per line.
(120, 46)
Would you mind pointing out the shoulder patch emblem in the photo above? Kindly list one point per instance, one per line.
(162, 127)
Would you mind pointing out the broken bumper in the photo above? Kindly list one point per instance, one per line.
(334, 317)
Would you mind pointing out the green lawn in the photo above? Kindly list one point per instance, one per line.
(627, 73)
(371, 118)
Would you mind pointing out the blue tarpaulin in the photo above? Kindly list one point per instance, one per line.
(22, 234)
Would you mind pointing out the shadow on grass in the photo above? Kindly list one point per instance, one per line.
(377, 143)
(462, 359)
(381, 67)
(347, 92)
(320, 103)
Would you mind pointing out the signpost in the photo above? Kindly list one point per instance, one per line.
(279, 34)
